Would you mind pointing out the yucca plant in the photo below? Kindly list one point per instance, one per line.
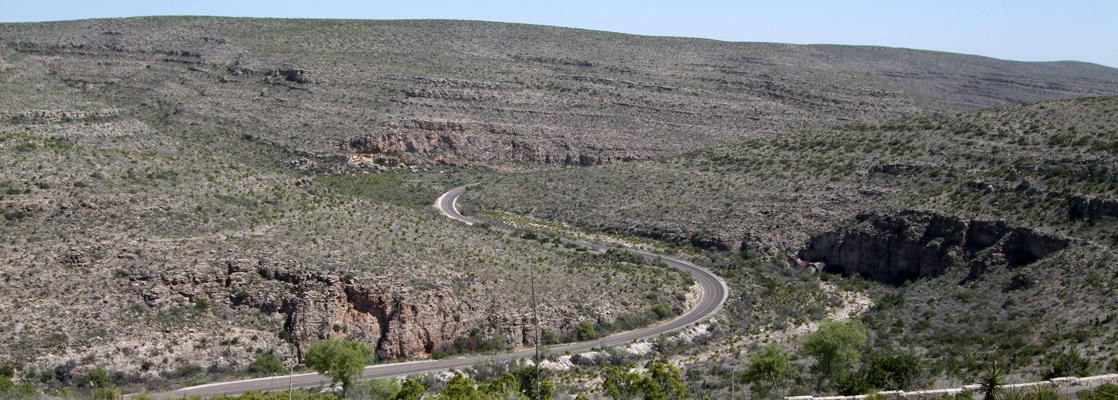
(1014, 394)
(1044, 392)
(990, 382)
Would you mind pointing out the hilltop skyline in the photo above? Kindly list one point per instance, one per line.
(1012, 30)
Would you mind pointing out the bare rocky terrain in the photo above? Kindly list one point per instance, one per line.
(181, 194)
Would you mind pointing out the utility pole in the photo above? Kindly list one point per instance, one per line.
(733, 378)
(535, 316)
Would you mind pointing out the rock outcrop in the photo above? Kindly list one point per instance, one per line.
(915, 244)
(1084, 207)
(399, 322)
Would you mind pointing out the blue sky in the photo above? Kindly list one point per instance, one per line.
(1026, 30)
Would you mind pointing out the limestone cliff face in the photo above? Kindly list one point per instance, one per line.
(398, 321)
(425, 142)
(915, 244)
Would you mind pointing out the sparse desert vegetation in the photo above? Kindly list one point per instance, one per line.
(188, 199)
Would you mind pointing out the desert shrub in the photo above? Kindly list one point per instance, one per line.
(585, 330)
(1044, 392)
(15, 215)
(1068, 364)
(375, 389)
(99, 378)
(410, 390)
(1105, 392)
(111, 393)
(266, 364)
(894, 372)
(64, 373)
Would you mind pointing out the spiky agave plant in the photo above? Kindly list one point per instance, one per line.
(991, 381)
(1045, 392)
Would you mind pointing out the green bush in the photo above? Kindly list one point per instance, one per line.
(106, 394)
(410, 390)
(1105, 392)
(99, 378)
(267, 364)
(1068, 364)
(376, 389)
(585, 330)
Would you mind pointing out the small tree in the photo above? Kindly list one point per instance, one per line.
(769, 368)
(341, 360)
(530, 377)
(836, 346)
(621, 385)
(665, 382)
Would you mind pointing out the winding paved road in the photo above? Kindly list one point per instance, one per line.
(714, 293)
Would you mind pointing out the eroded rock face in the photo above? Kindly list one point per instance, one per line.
(399, 322)
(1085, 207)
(915, 244)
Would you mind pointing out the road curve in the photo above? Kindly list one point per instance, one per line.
(714, 293)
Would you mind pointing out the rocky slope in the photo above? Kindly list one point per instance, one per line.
(991, 231)
(1044, 166)
(185, 193)
(490, 94)
(119, 251)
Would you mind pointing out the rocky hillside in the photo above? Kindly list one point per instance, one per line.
(980, 224)
(1045, 165)
(490, 94)
(121, 252)
(181, 194)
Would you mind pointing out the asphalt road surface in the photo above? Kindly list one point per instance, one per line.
(714, 293)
